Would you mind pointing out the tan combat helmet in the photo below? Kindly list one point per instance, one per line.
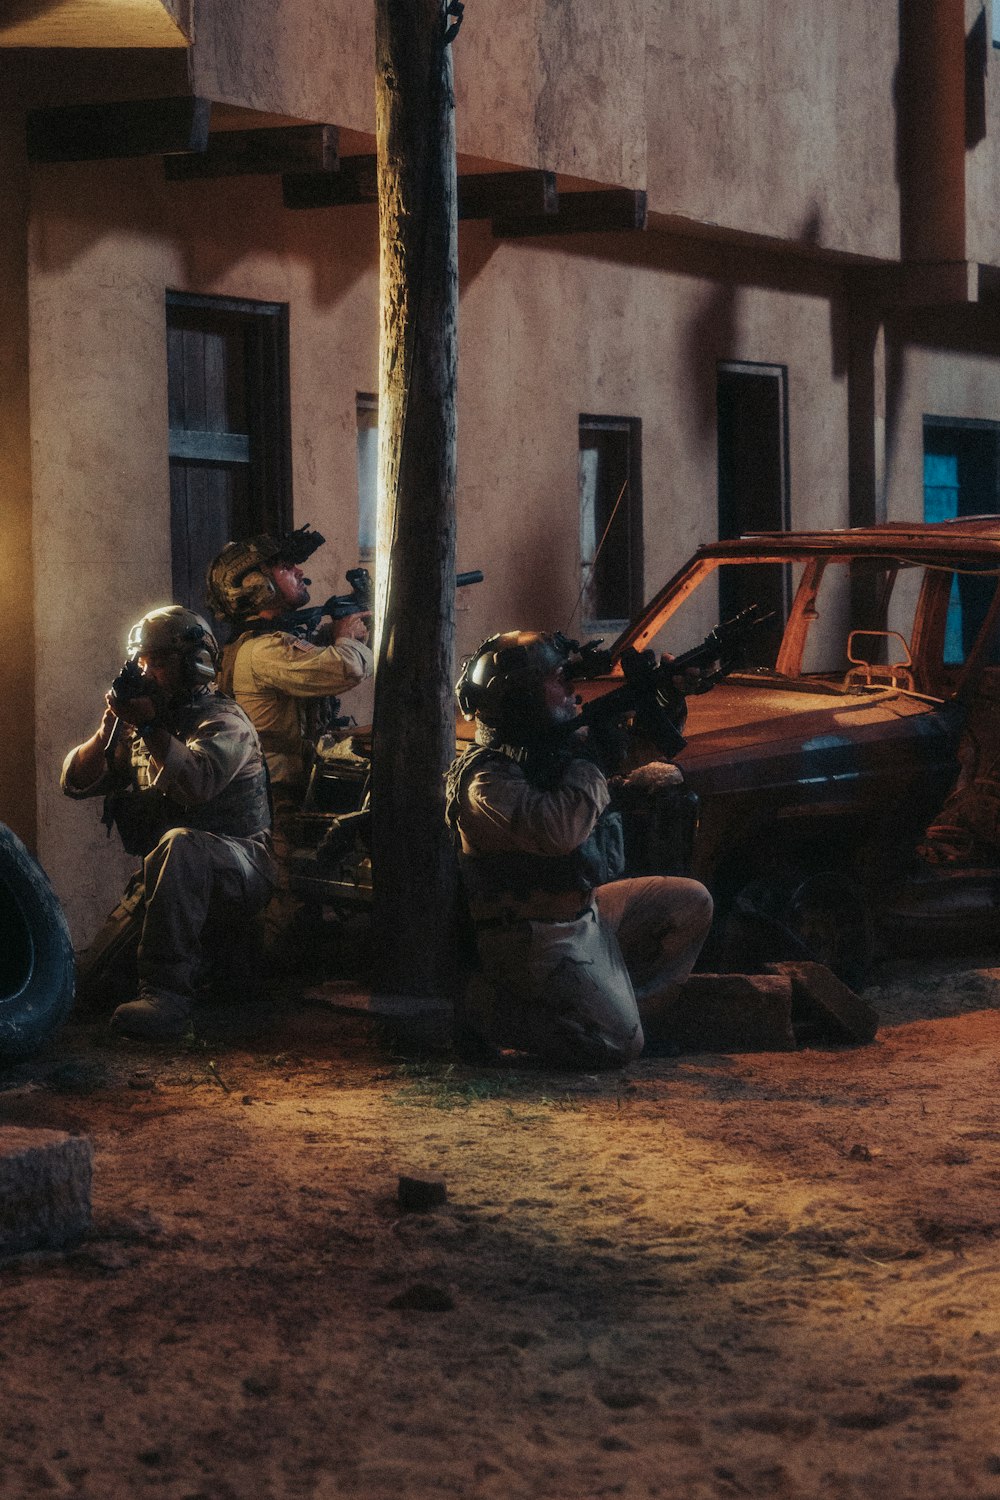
(174, 629)
(236, 585)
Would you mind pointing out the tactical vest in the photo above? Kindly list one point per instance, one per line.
(539, 885)
(142, 814)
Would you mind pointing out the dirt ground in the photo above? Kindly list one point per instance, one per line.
(767, 1275)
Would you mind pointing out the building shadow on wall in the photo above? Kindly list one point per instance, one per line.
(712, 334)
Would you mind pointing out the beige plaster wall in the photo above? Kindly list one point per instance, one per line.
(638, 340)
(982, 174)
(552, 83)
(776, 117)
(772, 119)
(17, 770)
(548, 330)
(558, 84)
(99, 418)
(930, 374)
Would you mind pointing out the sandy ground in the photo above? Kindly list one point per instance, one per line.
(769, 1275)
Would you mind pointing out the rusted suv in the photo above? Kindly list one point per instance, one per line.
(810, 774)
(816, 768)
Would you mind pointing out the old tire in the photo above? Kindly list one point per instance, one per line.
(821, 918)
(36, 954)
(831, 916)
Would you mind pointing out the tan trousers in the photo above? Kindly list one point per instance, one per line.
(578, 992)
(189, 877)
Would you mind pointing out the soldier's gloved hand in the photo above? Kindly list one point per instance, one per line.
(133, 711)
(351, 628)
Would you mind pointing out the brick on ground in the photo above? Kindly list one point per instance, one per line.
(45, 1180)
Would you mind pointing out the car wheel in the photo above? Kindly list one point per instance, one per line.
(822, 917)
(831, 917)
(36, 954)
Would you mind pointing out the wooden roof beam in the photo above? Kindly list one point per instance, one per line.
(481, 195)
(105, 132)
(356, 181)
(494, 195)
(580, 213)
(255, 153)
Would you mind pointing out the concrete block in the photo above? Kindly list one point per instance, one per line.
(733, 1013)
(824, 1008)
(44, 1188)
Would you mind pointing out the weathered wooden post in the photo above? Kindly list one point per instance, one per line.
(414, 722)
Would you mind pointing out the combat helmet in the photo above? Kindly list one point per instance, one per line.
(174, 629)
(502, 682)
(237, 584)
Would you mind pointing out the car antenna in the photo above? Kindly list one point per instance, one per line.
(597, 553)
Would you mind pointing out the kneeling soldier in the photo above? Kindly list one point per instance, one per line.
(576, 962)
(186, 786)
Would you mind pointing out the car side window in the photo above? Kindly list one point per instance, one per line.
(701, 611)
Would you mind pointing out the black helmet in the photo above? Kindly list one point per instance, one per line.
(176, 629)
(501, 683)
(236, 584)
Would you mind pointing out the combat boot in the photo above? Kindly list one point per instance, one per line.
(153, 1016)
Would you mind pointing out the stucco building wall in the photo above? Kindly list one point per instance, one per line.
(938, 365)
(767, 119)
(770, 138)
(17, 770)
(548, 330)
(776, 119)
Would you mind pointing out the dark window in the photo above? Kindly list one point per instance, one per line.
(366, 410)
(230, 473)
(610, 484)
(962, 478)
(753, 490)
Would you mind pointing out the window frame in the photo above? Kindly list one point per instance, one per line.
(635, 566)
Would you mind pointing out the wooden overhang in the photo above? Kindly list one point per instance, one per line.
(590, 212)
(518, 203)
(313, 174)
(129, 128)
(96, 23)
(481, 195)
(308, 149)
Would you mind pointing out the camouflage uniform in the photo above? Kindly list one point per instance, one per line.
(275, 677)
(201, 822)
(573, 958)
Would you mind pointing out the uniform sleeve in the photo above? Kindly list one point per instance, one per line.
(108, 779)
(303, 670)
(95, 789)
(215, 752)
(503, 811)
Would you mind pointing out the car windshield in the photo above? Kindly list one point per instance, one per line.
(852, 613)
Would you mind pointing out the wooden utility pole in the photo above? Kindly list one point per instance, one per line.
(414, 728)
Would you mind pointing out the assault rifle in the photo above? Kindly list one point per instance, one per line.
(360, 601)
(650, 692)
(129, 684)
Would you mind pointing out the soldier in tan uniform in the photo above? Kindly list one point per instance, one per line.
(183, 776)
(281, 673)
(575, 961)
